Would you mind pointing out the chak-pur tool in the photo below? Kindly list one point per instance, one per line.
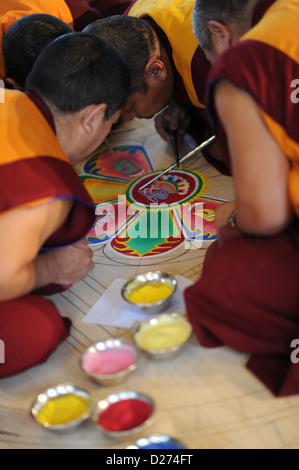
(203, 145)
(111, 149)
(174, 143)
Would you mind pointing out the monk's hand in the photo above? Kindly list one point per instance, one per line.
(69, 264)
(174, 117)
(222, 213)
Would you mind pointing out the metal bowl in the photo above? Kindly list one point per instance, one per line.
(51, 398)
(163, 336)
(157, 441)
(110, 362)
(107, 409)
(153, 279)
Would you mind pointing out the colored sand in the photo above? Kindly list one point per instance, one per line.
(63, 409)
(108, 362)
(150, 293)
(162, 445)
(164, 334)
(124, 415)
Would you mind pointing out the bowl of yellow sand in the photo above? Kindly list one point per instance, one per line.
(62, 407)
(163, 336)
(150, 292)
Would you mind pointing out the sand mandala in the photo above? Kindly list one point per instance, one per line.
(146, 221)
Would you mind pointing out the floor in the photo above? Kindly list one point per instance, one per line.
(205, 398)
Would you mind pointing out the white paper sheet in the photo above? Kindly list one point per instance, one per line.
(112, 310)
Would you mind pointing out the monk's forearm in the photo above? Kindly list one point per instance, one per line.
(252, 218)
(65, 266)
(19, 282)
(264, 220)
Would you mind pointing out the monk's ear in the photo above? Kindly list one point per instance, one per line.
(91, 115)
(220, 34)
(155, 69)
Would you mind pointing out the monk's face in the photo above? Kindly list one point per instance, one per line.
(146, 105)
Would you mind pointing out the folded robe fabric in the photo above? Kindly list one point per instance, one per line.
(31, 328)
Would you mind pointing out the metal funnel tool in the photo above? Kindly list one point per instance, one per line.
(193, 152)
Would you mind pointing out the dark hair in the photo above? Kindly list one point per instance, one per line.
(224, 11)
(77, 70)
(134, 39)
(25, 39)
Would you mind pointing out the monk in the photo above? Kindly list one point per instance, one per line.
(76, 13)
(248, 294)
(168, 67)
(24, 41)
(73, 95)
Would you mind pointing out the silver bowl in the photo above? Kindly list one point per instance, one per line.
(99, 357)
(110, 401)
(55, 393)
(164, 344)
(154, 279)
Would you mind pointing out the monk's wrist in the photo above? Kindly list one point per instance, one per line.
(231, 220)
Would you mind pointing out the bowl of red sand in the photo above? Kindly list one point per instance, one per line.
(124, 414)
(110, 362)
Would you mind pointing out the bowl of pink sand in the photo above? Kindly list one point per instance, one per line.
(110, 362)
